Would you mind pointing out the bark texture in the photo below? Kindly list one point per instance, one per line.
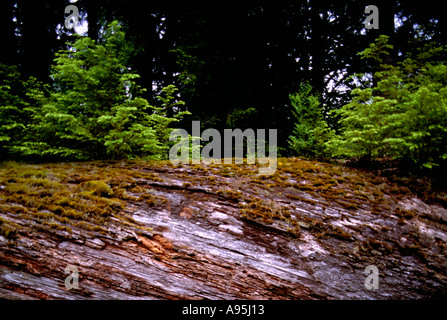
(214, 233)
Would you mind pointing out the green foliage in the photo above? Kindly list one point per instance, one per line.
(426, 119)
(18, 98)
(238, 118)
(311, 130)
(377, 51)
(95, 109)
(189, 64)
(404, 116)
(169, 112)
(128, 130)
(11, 113)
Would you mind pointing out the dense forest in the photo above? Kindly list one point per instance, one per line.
(115, 115)
(117, 82)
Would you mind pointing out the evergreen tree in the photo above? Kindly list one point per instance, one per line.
(18, 98)
(311, 130)
(96, 109)
(11, 108)
(403, 115)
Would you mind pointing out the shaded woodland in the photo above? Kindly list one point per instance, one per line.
(85, 175)
(235, 65)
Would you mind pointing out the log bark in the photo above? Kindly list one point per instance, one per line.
(202, 247)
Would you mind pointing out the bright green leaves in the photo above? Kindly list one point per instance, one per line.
(311, 131)
(93, 77)
(378, 50)
(94, 110)
(98, 89)
(427, 124)
(18, 99)
(129, 132)
(404, 116)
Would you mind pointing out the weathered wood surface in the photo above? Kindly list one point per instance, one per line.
(201, 247)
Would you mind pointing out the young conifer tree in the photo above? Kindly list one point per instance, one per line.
(18, 100)
(403, 115)
(12, 108)
(96, 109)
(311, 130)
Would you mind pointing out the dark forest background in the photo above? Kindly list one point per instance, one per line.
(233, 62)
